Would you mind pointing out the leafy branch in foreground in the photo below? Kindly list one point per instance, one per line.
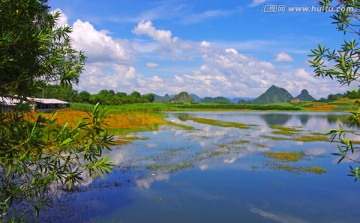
(39, 157)
(342, 65)
(347, 148)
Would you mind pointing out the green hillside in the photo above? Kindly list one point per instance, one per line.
(273, 95)
(165, 98)
(195, 97)
(215, 100)
(183, 97)
(305, 96)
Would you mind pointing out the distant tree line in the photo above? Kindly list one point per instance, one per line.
(104, 97)
(354, 94)
(110, 97)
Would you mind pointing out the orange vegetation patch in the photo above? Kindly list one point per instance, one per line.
(133, 120)
(321, 108)
(115, 121)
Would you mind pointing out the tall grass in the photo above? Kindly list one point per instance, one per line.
(117, 122)
(81, 106)
(341, 105)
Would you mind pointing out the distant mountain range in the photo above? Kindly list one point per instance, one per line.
(238, 99)
(277, 94)
(272, 95)
(216, 100)
(183, 97)
(197, 99)
(164, 99)
(305, 96)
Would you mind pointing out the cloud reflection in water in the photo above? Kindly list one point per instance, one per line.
(278, 217)
(145, 183)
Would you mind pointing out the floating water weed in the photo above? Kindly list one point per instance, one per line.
(240, 142)
(170, 168)
(285, 156)
(260, 145)
(316, 137)
(217, 122)
(311, 138)
(185, 127)
(127, 139)
(298, 170)
(281, 130)
(275, 138)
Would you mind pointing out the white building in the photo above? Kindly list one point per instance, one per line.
(39, 104)
(49, 104)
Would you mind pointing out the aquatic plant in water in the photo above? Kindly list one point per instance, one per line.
(310, 137)
(298, 170)
(285, 156)
(281, 130)
(217, 122)
(275, 138)
(171, 167)
(121, 140)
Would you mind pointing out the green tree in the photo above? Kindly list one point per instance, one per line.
(354, 94)
(106, 96)
(135, 94)
(61, 92)
(149, 97)
(332, 97)
(83, 97)
(33, 47)
(37, 156)
(342, 65)
(112, 92)
(121, 94)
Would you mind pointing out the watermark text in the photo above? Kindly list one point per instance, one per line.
(270, 8)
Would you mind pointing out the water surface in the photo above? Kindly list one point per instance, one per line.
(218, 174)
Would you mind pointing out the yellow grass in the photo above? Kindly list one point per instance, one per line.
(114, 121)
(322, 108)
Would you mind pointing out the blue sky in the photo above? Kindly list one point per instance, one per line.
(207, 47)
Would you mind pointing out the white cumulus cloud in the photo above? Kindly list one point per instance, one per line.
(98, 76)
(152, 65)
(220, 69)
(147, 28)
(283, 57)
(231, 50)
(303, 74)
(205, 44)
(169, 46)
(98, 45)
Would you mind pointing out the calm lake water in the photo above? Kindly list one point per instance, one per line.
(218, 174)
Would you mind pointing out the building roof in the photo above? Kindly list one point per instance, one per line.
(49, 101)
(14, 101)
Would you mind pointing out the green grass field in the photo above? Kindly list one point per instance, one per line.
(343, 105)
